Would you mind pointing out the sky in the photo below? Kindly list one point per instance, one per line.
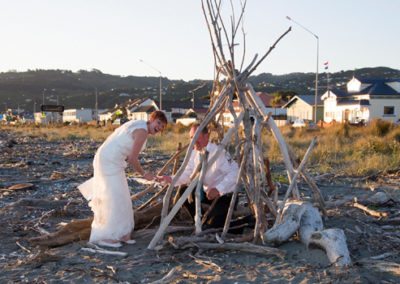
(149, 37)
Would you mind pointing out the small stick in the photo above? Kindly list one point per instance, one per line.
(103, 251)
(152, 198)
(169, 276)
(176, 162)
(235, 193)
(143, 192)
(174, 159)
(291, 186)
(245, 247)
(197, 217)
(22, 247)
(370, 211)
(209, 210)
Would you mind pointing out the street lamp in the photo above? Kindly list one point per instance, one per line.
(194, 90)
(159, 72)
(96, 106)
(44, 91)
(316, 73)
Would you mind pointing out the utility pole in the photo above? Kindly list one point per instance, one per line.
(96, 106)
(44, 90)
(194, 90)
(159, 72)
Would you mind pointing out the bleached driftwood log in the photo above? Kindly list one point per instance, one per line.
(333, 241)
(311, 222)
(303, 217)
(291, 216)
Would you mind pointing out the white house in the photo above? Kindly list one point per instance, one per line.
(364, 100)
(47, 117)
(128, 110)
(278, 113)
(188, 118)
(142, 112)
(302, 107)
(79, 115)
(141, 109)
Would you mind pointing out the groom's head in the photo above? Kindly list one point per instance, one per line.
(202, 140)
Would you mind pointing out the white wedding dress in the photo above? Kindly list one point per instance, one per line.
(107, 191)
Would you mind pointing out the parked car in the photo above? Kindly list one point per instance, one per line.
(299, 123)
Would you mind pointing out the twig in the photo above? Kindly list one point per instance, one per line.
(97, 249)
(169, 276)
(382, 256)
(143, 192)
(22, 247)
(207, 263)
(245, 247)
(370, 211)
(205, 216)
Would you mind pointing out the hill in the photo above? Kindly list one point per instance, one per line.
(77, 89)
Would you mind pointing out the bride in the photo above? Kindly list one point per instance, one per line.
(107, 191)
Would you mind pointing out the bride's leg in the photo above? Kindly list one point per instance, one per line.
(127, 239)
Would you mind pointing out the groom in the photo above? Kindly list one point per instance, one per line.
(218, 184)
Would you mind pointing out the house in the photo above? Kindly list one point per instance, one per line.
(363, 100)
(79, 115)
(131, 109)
(270, 106)
(192, 116)
(178, 109)
(142, 112)
(302, 107)
(47, 117)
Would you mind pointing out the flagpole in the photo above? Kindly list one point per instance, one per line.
(327, 74)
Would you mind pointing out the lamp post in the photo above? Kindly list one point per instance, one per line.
(44, 91)
(194, 90)
(159, 72)
(316, 73)
(96, 106)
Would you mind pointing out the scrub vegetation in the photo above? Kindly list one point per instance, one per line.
(342, 149)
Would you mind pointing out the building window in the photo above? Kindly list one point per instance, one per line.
(388, 110)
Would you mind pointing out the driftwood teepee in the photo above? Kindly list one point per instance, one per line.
(232, 83)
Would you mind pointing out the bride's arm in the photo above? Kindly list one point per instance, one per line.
(139, 137)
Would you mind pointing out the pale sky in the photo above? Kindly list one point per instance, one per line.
(172, 37)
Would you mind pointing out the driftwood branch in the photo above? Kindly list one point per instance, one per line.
(270, 50)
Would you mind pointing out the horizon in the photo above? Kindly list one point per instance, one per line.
(149, 38)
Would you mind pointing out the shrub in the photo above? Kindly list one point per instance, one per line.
(379, 127)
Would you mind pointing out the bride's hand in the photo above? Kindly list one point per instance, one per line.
(149, 176)
(166, 179)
